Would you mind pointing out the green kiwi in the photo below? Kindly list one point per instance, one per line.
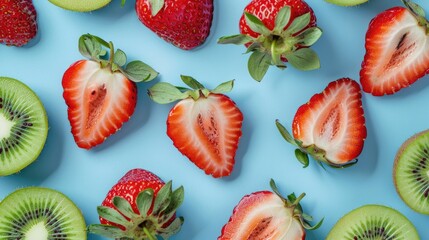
(23, 126)
(35, 213)
(80, 5)
(371, 222)
(347, 3)
(411, 172)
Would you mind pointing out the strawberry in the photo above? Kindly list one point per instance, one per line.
(101, 93)
(204, 125)
(18, 22)
(276, 31)
(268, 215)
(139, 206)
(397, 50)
(331, 126)
(184, 23)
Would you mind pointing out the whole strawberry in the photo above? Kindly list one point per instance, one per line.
(330, 126)
(184, 23)
(275, 32)
(139, 206)
(205, 125)
(101, 92)
(268, 215)
(18, 22)
(397, 46)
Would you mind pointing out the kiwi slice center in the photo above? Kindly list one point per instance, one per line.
(37, 232)
(5, 127)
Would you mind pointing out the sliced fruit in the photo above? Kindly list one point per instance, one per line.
(397, 50)
(40, 213)
(23, 126)
(373, 222)
(81, 5)
(347, 3)
(411, 172)
(267, 215)
(331, 126)
(204, 125)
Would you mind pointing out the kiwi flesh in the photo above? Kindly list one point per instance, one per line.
(23, 126)
(80, 5)
(35, 213)
(411, 172)
(347, 3)
(371, 222)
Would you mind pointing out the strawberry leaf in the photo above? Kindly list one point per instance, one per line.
(191, 82)
(106, 231)
(120, 58)
(304, 59)
(258, 65)
(89, 47)
(238, 39)
(309, 227)
(298, 24)
(144, 201)
(138, 71)
(414, 8)
(123, 207)
(172, 229)
(282, 19)
(285, 133)
(164, 93)
(256, 25)
(302, 157)
(163, 198)
(156, 6)
(112, 215)
(253, 47)
(309, 36)
(224, 87)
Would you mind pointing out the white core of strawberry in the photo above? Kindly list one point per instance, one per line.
(5, 127)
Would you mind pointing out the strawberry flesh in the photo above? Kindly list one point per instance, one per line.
(397, 52)
(207, 131)
(18, 22)
(333, 121)
(98, 101)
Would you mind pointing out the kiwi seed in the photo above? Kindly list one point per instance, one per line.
(35, 213)
(373, 222)
(411, 172)
(23, 126)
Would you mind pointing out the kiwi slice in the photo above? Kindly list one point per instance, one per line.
(36, 213)
(371, 222)
(80, 5)
(23, 126)
(347, 3)
(411, 172)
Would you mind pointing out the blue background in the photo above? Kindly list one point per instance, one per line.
(86, 176)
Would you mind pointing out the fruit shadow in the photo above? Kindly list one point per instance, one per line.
(137, 120)
(114, 10)
(49, 159)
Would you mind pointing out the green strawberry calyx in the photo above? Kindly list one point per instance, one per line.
(156, 6)
(418, 12)
(302, 152)
(164, 93)
(292, 202)
(154, 217)
(287, 41)
(93, 47)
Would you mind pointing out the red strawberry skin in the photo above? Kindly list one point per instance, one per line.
(207, 131)
(397, 52)
(98, 101)
(129, 187)
(333, 121)
(262, 215)
(184, 23)
(267, 10)
(18, 22)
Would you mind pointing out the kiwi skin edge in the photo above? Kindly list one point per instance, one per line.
(397, 157)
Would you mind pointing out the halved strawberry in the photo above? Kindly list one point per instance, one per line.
(268, 215)
(100, 93)
(139, 206)
(397, 50)
(205, 125)
(331, 126)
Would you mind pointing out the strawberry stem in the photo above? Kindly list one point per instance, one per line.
(298, 199)
(148, 234)
(112, 53)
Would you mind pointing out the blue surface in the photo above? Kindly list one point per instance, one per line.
(86, 176)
